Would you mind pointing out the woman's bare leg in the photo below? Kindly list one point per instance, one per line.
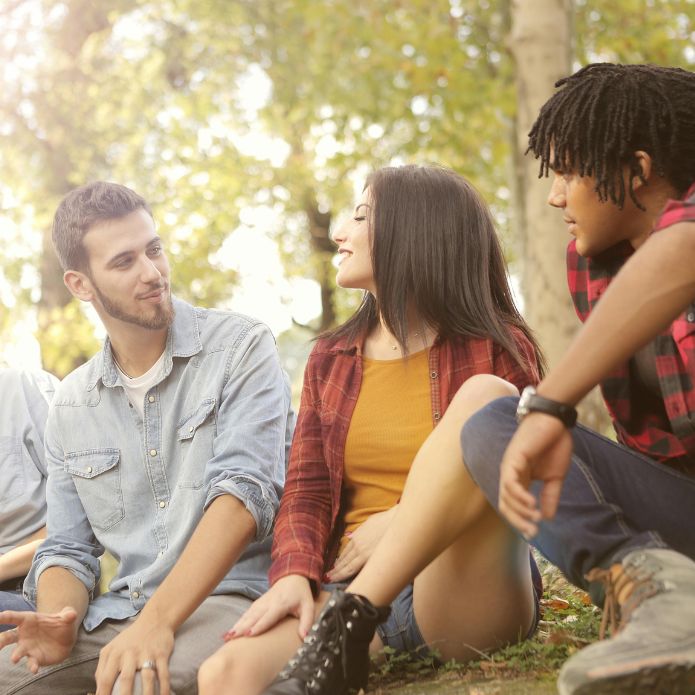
(247, 665)
(472, 572)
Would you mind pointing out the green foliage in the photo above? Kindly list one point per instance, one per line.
(67, 337)
(157, 95)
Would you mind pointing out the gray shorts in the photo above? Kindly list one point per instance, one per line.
(197, 639)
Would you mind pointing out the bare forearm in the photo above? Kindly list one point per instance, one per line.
(16, 562)
(220, 538)
(656, 285)
(58, 588)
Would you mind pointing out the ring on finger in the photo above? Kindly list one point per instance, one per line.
(149, 664)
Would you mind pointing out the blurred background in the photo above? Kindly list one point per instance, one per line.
(250, 124)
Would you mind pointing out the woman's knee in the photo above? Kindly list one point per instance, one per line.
(479, 390)
(214, 675)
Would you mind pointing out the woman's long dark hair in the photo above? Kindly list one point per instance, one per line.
(434, 247)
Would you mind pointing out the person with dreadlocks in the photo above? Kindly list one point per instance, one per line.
(615, 517)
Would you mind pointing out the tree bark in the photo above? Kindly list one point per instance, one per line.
(541, 46)
(323, 250)
(541, 43)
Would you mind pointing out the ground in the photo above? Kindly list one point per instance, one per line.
(569, 622)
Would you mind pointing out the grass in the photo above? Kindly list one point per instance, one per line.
(569, 622)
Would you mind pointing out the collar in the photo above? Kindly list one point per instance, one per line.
(183, 340)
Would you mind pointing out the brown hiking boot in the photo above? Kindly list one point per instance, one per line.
(650, 606)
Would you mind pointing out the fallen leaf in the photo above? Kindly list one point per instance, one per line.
(556, 603)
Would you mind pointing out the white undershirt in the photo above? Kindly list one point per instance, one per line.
(136, 388)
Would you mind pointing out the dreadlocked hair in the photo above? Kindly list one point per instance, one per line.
(605, 112)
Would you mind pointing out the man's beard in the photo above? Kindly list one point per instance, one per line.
(162, 317)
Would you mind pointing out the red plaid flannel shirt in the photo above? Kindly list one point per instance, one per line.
(306, 530)
(669, 435)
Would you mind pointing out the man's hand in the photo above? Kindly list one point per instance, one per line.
(43, 638)
(290, 595)
(138, 644)
(540, 450)
(360, 546)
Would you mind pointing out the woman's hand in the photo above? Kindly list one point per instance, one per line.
(290, 595)
(360, 546)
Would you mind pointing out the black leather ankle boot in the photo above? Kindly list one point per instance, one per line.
(334, 659)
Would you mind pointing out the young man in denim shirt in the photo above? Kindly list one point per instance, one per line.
(167, 449)
(26, 396)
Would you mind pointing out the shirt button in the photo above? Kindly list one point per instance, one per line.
(433, 375)
(89, 469)
(437, 416)
(153, 452)
(135, 594)
(162, 505)
(150, 399)
(691, 317)
(190, 429)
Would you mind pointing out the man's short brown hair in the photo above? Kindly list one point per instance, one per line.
(84, 207)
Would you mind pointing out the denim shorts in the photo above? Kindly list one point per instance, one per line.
(400, 631)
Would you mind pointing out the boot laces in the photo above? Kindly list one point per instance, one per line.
(640, 586)
(326, 640)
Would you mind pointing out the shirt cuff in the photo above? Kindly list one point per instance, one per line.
(82, 573)
(258, 503)
(305, 564)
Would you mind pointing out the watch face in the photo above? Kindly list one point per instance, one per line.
(522, 409)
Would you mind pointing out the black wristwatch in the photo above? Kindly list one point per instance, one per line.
(531, 402)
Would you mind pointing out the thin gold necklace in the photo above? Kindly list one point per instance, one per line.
(422, 333)
(395, 346)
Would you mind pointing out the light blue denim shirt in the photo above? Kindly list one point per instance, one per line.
(218, 422)
(24, 399)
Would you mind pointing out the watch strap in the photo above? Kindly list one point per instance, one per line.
(531, 402)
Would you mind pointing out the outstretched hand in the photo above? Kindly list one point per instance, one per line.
(42, 638)
(290, 595)
(540, 450)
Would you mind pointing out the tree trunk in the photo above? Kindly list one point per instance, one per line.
(323, 250)
(541, 44)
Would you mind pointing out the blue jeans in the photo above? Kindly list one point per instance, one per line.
(13, 601)
(614, 500)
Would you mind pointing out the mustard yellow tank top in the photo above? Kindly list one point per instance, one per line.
(391, 420)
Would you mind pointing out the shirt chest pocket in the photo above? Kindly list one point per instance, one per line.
(97, 477)
(196, 434)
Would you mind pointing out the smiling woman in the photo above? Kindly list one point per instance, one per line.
(354, 248)
(421, 245)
